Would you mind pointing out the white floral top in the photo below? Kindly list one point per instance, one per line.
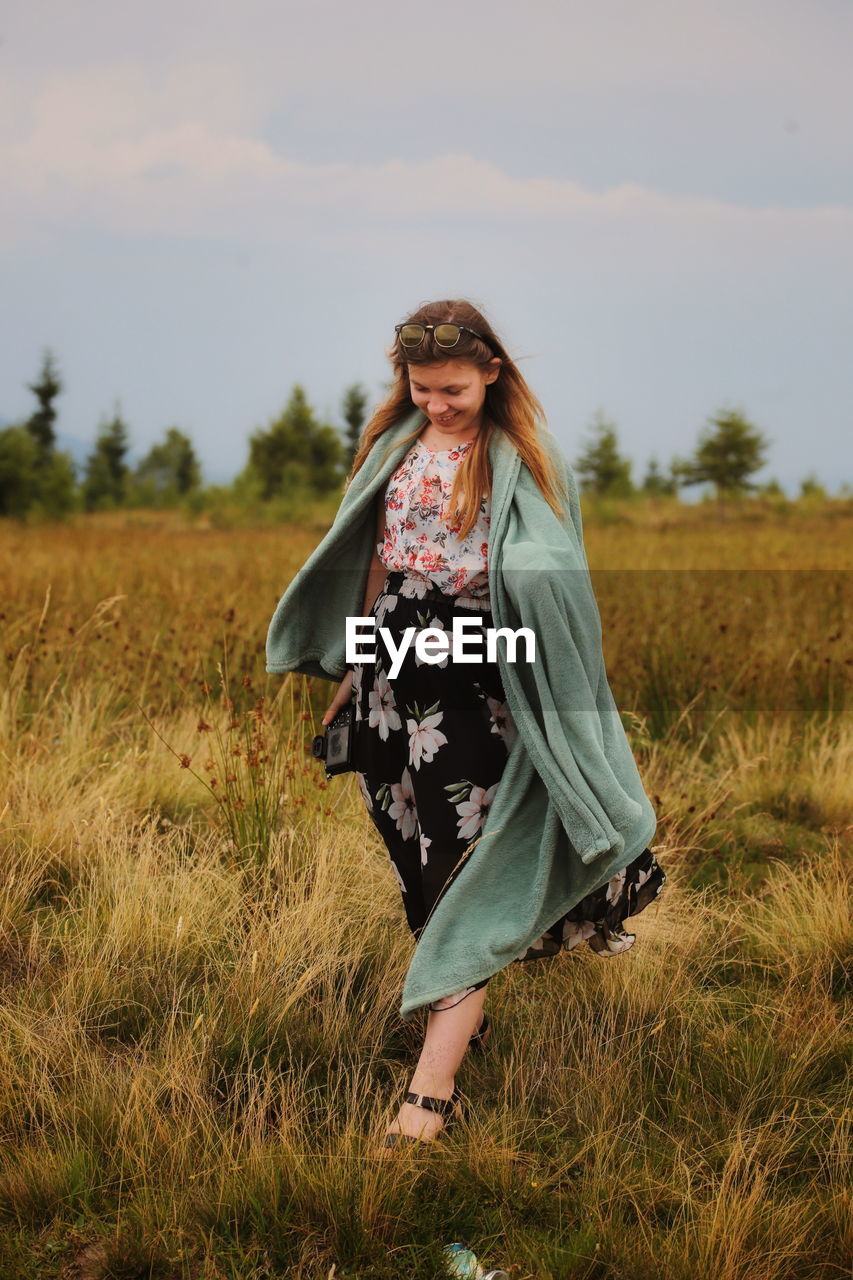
(418, 538)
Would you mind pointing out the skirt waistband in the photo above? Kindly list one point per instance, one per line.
(396, 578)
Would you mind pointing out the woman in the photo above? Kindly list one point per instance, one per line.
(435, 734)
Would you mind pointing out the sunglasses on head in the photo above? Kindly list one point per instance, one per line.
(444, 335)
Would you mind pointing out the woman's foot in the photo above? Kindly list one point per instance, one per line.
(418, 1122)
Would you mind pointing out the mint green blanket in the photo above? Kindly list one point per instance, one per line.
(570, 810)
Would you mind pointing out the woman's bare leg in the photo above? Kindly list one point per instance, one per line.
(447, 1035)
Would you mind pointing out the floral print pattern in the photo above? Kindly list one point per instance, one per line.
(599, 917)
(420, 539)
(430, 749)
(402, 807)
(383, 712)
(474, 811)
(425, 738)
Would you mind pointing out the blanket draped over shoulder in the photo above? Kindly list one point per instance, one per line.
(570, 809)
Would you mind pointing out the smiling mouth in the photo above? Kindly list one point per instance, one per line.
(448, 419)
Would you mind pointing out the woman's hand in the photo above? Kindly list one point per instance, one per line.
(340, 699)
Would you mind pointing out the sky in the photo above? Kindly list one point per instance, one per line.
(206, 203)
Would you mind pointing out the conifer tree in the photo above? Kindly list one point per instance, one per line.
(296, 452)
(601, 467)
(169, 470)
(105, 480)
(730, 449)
(354, 412)
(18, 471)
(656, 483)
(41, 424)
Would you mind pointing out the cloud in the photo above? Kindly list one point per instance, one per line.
(379, 49)
(114, 151)
(649, 196)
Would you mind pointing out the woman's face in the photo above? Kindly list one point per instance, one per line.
(452, 393)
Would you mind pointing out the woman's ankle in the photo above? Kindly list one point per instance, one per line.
(433, 1086)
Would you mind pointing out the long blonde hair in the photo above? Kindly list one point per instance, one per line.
(510, 406)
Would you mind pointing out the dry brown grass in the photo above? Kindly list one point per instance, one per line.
(198, 1001)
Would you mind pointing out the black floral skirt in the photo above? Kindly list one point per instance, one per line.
(431, 743)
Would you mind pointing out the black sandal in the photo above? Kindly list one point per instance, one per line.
(450, 1108)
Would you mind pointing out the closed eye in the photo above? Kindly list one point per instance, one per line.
(448, 391)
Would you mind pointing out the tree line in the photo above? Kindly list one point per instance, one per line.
(728, 453)
(299, 454)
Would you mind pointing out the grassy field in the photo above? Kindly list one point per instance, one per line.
(202, 945)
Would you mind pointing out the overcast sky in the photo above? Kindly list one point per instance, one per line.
(203, 203)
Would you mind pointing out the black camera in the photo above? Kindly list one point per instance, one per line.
(335, 746)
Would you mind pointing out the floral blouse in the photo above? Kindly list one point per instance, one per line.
(418, 538)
